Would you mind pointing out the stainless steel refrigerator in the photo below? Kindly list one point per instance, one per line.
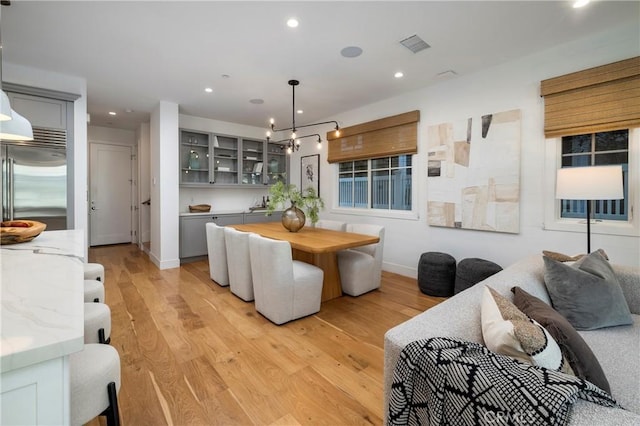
(34, 183)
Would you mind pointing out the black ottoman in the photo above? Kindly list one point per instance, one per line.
(472, 271)
(436, 274)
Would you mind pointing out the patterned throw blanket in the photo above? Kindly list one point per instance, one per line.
(444, 381)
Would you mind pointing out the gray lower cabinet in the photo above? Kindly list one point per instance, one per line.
(259, 217)
(193, 236)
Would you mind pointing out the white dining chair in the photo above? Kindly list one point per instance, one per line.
(361, 267)
(217, 251)
(239, 263)
(334, 225)
(284, 289)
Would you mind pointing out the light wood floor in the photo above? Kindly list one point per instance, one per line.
(194, 354)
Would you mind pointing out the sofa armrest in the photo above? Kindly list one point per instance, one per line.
(629, 278)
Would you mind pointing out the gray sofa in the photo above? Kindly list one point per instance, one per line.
(617, 348)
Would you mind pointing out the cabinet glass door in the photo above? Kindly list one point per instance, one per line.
(194, 157)
(276, 164)
(252, 162)
(225, 157)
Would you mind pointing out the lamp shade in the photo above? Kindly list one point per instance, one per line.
(5, 107)
(589, 183)
(16, 129)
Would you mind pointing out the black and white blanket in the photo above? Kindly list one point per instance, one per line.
(444, 381)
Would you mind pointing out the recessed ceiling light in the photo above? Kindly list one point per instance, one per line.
(292, 23)
(225, 76)
(256, 101)
(128, 110)
(112, 113)
(351, 52)
(300, 111)
(580, 3)
(208, 89)
(399, 74)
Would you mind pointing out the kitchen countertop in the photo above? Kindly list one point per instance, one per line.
(42, 299)
(215, 212)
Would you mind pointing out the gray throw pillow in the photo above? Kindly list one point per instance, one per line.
(587, 293)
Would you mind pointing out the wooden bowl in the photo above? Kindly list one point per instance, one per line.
(20, 231)
(200, 208)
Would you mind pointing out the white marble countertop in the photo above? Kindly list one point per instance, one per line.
(42, 298)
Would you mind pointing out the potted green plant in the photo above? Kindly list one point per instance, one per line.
(303, 201)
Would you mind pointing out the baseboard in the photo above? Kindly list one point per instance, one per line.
(400, 269)
(145, 247)
(164, 264)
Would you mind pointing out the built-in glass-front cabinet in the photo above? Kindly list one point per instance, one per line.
(194, 157)
(215, 159)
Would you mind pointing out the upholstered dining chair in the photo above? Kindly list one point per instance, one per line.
(361, 267)
(239, 263)
(334, 225)
(284, 289)
(217, 250)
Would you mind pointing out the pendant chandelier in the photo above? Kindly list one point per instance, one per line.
(292, 143)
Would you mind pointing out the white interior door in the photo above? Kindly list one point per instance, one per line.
(110, 194)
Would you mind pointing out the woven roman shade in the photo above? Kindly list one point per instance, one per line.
(379, 138)
(598, 99)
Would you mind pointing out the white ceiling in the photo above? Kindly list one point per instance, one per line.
(134, 54)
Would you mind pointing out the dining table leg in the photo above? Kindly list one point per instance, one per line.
(328, 262)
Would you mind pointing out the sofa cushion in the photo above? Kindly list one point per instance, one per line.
(508, 331)
(617, 349)
(575, 350)
(587, 293)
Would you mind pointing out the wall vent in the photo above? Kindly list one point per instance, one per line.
(414, 44)
(44, 138)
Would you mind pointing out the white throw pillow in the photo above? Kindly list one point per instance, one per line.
(508, 331)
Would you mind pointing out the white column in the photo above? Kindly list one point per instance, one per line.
(164, 186)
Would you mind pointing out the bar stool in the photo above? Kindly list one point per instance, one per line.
(95, 382)
(93, 291)
(94, 271)
(97, 323)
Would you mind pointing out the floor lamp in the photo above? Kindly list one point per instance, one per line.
(589, 183)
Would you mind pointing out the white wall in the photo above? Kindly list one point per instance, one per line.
(111, 135)
(164, 155)
(144, 182)
(34, 77)
(515, 85)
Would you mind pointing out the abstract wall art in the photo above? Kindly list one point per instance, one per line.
(473, 173)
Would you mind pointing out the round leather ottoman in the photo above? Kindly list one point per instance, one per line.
(436, 274)
(473, 270)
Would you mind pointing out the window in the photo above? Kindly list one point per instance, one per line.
(597, 149)
(380, 183)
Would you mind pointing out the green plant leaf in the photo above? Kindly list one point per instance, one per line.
(307, 200)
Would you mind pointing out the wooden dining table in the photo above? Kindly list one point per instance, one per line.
(316, 246)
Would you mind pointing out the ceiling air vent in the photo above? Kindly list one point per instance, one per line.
(414, 44)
